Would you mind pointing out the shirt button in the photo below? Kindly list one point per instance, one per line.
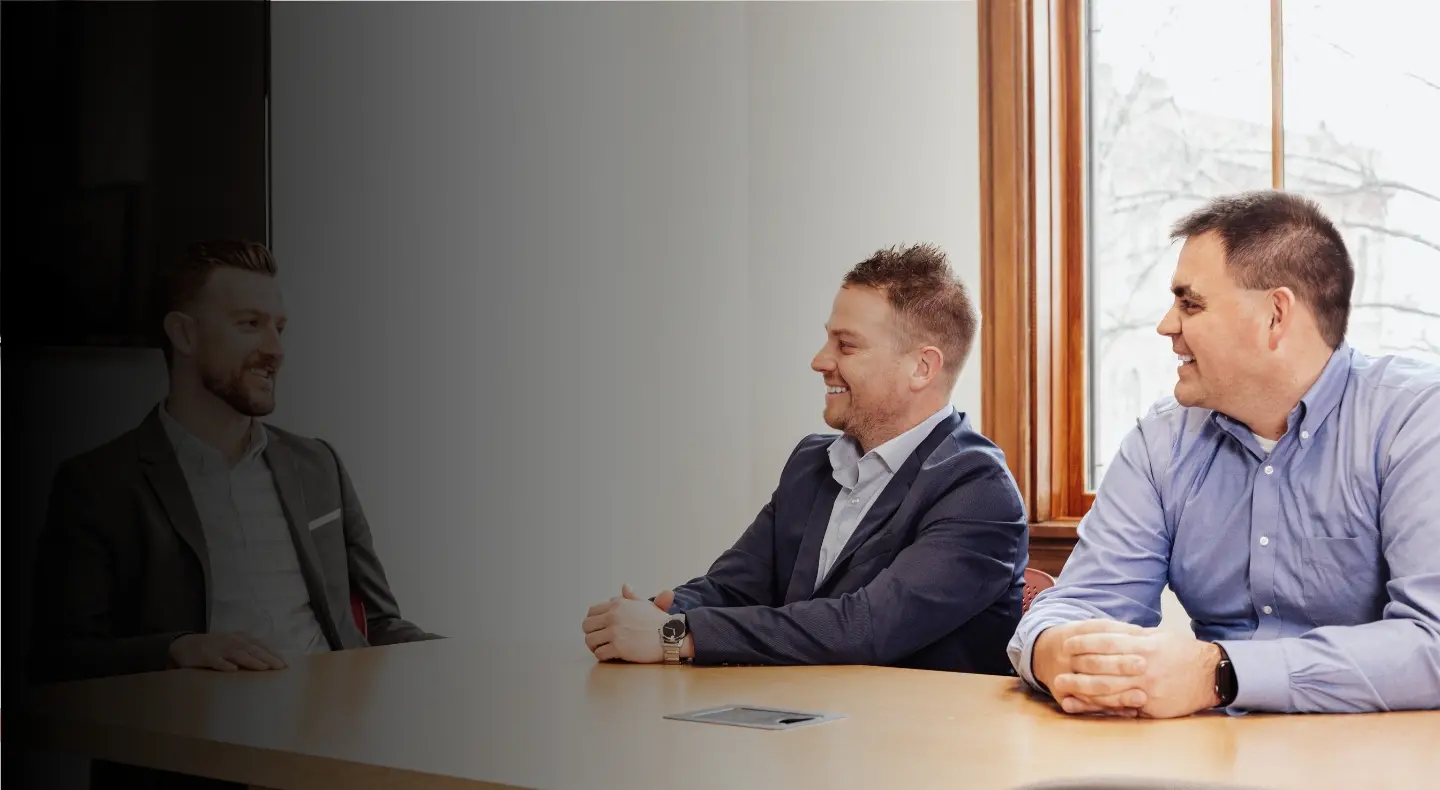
(855, 500)
(1266, 610)
(1264, 541)
(1304, 434)
(1269, 470)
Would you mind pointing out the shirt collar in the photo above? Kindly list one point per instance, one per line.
(1324, 395)
(1318, 402)
(191, 449)
(845, 451)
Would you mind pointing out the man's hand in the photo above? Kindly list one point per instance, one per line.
(627, 627)
(1175, 673)
(1051, 659)
(226, 652)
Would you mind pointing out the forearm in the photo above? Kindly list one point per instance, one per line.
(709, 591)
(1119, 566)
(829, 631)
(81, 658)
(1381, 666)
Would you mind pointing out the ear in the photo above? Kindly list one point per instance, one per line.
(181, 331)
(1283, 307)
(929, 366)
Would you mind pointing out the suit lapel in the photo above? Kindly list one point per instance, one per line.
(162, 470)
(890, 499)
(807, 561)
(291, 489)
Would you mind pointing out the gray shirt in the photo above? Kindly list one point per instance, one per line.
(257, 586)
(862, 479)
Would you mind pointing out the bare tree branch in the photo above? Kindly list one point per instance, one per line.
(1368, 179)
(1421, 80)
(1399, 308)
(1316, 186)
(1384, 231)
(1113, 330)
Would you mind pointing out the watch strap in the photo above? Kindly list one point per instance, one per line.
(671, 647)
(1226, 685)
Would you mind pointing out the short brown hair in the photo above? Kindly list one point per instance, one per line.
(181, 282)
(1276, 239)
(929, 299)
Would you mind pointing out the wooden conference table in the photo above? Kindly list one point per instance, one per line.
(454, 714)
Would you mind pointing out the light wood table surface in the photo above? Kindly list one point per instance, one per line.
(455, 714)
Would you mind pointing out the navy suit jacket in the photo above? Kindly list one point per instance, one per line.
(932, 577)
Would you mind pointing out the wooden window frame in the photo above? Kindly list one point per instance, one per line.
(1035, 376)
(1033, 380)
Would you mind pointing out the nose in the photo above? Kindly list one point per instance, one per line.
(271, 344)
(823, 362)
(1169, 325)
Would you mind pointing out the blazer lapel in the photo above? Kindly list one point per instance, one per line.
(807, 561)
(291, 490)
(894, 494)
(163, 471)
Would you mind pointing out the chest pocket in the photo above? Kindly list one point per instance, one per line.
(1343, 579)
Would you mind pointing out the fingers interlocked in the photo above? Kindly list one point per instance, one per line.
(1107, 673)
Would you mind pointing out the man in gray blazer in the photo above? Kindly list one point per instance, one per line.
(204, 537)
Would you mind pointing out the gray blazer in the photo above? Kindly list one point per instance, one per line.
(122, 567)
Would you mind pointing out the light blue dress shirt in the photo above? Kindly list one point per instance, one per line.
(861, 480)
(1316, 566)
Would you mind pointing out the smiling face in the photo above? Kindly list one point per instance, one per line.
(866, 369)
(234, 338)
(1218, 330)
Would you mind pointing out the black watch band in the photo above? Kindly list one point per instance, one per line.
(1226, 684)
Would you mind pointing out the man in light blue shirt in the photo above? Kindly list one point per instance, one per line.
(1289, 494)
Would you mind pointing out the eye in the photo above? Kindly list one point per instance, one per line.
(846, 346)
(1188, 305)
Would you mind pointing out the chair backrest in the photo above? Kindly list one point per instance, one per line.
(357, 610)
(1036, 580)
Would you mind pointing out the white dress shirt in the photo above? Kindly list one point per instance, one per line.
(257, 586)
(862, 479)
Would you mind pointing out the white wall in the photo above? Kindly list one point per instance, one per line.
(864, 132)
(590, 250)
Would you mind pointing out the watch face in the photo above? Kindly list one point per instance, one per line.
(1225, 685)
(673, 629)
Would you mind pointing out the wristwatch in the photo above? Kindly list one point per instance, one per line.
(672, 636)
(1226, 684)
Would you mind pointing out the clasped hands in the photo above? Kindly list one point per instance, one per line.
(1118, 669)
(627, 628)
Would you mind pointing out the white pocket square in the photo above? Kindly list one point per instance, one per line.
(325, 519)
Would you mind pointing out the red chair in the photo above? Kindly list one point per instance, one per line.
(1036, 580)
(357, 609)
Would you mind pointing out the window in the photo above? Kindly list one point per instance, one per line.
(1104, 121)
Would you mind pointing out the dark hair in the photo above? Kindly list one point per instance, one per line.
(181, 282)
(1275, 239)
(929, 299)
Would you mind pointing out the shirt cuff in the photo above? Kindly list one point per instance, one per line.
(1024, 664)
(1262, 675)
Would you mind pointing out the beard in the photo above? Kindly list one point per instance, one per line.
(241, 393)
(864, 420)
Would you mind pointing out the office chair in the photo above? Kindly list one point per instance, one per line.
(1036, 580)
(357, 610)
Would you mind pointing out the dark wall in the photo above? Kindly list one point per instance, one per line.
(130, 129)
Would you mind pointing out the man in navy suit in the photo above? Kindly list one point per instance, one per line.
(902, 541)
